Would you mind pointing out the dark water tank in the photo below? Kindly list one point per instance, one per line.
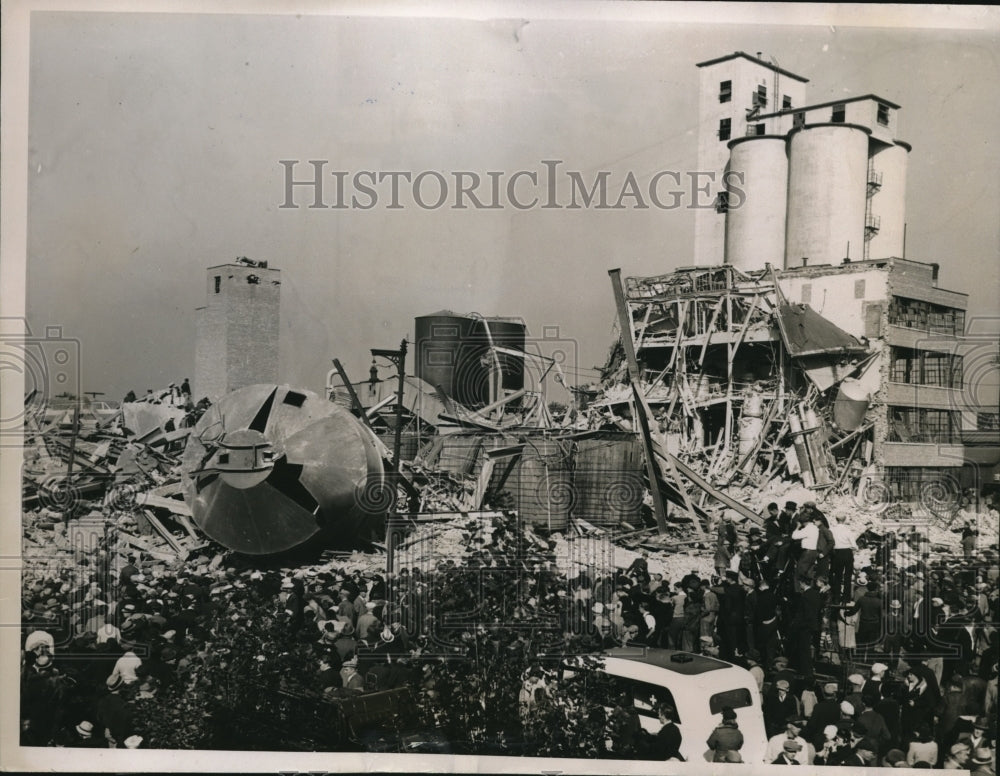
(453, 353)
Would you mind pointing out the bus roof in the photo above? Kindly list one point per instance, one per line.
(686, 663)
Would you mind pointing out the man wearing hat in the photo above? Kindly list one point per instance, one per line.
(732, 614)
(368, 625)
(790, 752)
(826, 712)
(983, 762)
(113, 713)
(794, 725)
(958, 757)
(775, 541)
(779, 703)
(808, 622)
(856, 684)
(864, 755)
(895, 632)
(353, 682)
(726, 737)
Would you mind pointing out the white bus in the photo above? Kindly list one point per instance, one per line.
(695, 685)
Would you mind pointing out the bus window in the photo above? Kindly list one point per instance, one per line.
(737, 699)
(646, 698)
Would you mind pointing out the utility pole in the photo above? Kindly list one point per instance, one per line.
(398, 358)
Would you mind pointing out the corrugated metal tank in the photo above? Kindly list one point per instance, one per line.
(608, 482)
(755, 227)
(889, 200)
(453, 353)
(827, 194)
(542, 484)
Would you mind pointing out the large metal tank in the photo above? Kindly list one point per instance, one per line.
(454, 352)
(608, 479)
(827, 194)
(269, 467)
(889, 165)
(438, 344)
(541, 483)
(755, 226)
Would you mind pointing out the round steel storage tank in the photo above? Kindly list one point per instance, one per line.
(438, 345)
(755, 221)
(827, 194)
(267, 468)
(453, 353)
(889, 200)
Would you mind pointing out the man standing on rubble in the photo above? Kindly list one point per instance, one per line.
(808, 534)
(842, 561)
(725, 543)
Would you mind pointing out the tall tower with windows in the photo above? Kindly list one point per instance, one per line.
(736, 94)
(237, 330)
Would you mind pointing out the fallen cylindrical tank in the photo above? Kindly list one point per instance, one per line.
(269, 467)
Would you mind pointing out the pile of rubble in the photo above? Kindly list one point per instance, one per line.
(91, 481)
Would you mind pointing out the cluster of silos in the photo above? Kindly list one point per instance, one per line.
(803, 198)
(458, 354)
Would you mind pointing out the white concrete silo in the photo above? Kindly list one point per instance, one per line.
(827, 194)
(888, 199)
(755, 221)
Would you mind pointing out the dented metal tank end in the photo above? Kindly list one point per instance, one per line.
(269, 467)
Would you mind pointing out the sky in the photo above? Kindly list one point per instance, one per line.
(155, 143)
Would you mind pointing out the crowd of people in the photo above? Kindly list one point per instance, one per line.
(867, 650)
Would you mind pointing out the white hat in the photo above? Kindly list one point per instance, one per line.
(370, 605)
(856, 679)
(879, 668)
(847, 707)
(830, 731)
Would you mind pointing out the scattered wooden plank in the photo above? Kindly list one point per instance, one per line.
(161, 529)
(175, 506)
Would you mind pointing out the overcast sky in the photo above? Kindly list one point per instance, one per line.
(155, 143)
